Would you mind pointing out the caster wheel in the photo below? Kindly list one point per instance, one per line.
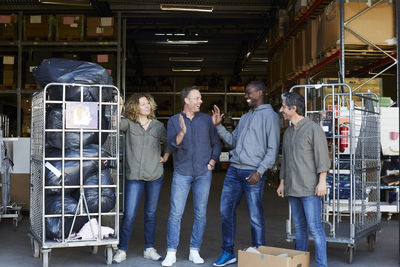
(350, 254)
(109, 255)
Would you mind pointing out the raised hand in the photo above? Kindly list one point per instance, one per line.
(182, 124)
(216, 115)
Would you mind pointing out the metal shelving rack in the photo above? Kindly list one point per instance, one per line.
(18, 46)
(339, 56)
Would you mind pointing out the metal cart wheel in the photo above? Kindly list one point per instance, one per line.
(350, 254)
(371, 241)
(109, 255)
(35, 248)
(95, 249)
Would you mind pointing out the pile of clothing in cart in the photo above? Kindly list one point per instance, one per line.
(76, 151)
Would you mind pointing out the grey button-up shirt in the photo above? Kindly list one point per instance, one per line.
(304, 155)
(143, 149)
(255, 140)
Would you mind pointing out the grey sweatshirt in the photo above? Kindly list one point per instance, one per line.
(255, 140)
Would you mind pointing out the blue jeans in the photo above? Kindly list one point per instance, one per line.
(133, 193)
(306, 215)
(180, 188)
(235, 185)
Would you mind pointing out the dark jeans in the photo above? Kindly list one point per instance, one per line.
(235, 185)
(133, 193)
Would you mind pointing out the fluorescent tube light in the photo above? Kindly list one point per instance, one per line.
(186, 59)
(194, 8)
(67, 2)
(187, 41)
(259, 59)
(187, 69)
(253, 69)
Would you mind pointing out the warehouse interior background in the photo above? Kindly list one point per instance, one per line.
(161, 46)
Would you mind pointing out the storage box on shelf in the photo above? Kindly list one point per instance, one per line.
(8, 27)
(300, 52)
(377, 25)
(100, 28)
(39, 27)
(70, 28)
(8, 71)
(289, 56)
(311, 40)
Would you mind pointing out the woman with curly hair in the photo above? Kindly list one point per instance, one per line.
(144, 170)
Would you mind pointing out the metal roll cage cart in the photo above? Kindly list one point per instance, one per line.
(351, 209)
(108, 152)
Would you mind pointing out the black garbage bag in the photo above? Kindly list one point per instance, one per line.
(71, 167)
(53, 205)
(108, 197)
(61, 70)
(54, 120)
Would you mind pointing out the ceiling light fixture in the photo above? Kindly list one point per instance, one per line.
(186, 41)
(186, 59)
(254, 69)
(186, 69)
(67, 3)
(259, 59)
(194, 8)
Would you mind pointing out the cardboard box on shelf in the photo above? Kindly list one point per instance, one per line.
(377, 25)
(8, 27)
(311, 52)
(100, 27)
(39, 27)
(70, 27)
(273, 257)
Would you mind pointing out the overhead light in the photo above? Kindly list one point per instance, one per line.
(253, 69)
(186, 41)
(195, 8)
(187, 69)
(259, 59)
(186, 59)
(67, 3)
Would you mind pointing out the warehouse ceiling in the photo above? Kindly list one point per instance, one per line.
(231, 39)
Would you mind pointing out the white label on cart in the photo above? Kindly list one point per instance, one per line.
(53, 169)
(82, 115)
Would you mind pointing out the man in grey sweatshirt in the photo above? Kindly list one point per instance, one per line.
(255, 144)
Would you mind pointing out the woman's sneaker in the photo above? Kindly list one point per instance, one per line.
(151, 254)
(119, 256)
(224, 259)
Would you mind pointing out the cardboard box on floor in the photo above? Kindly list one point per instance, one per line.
(269, 258)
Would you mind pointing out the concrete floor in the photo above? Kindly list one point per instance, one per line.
(15, 249)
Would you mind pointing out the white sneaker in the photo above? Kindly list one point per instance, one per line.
(151, 254)
(169, 259)
(194, 257)
(119, 256)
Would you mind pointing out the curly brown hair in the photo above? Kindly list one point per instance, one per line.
(132, 106)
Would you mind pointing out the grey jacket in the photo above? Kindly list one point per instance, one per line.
(255, 140)
(143, 149)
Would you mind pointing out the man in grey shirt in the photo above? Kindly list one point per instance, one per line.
(255, 144)
(305, 162)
